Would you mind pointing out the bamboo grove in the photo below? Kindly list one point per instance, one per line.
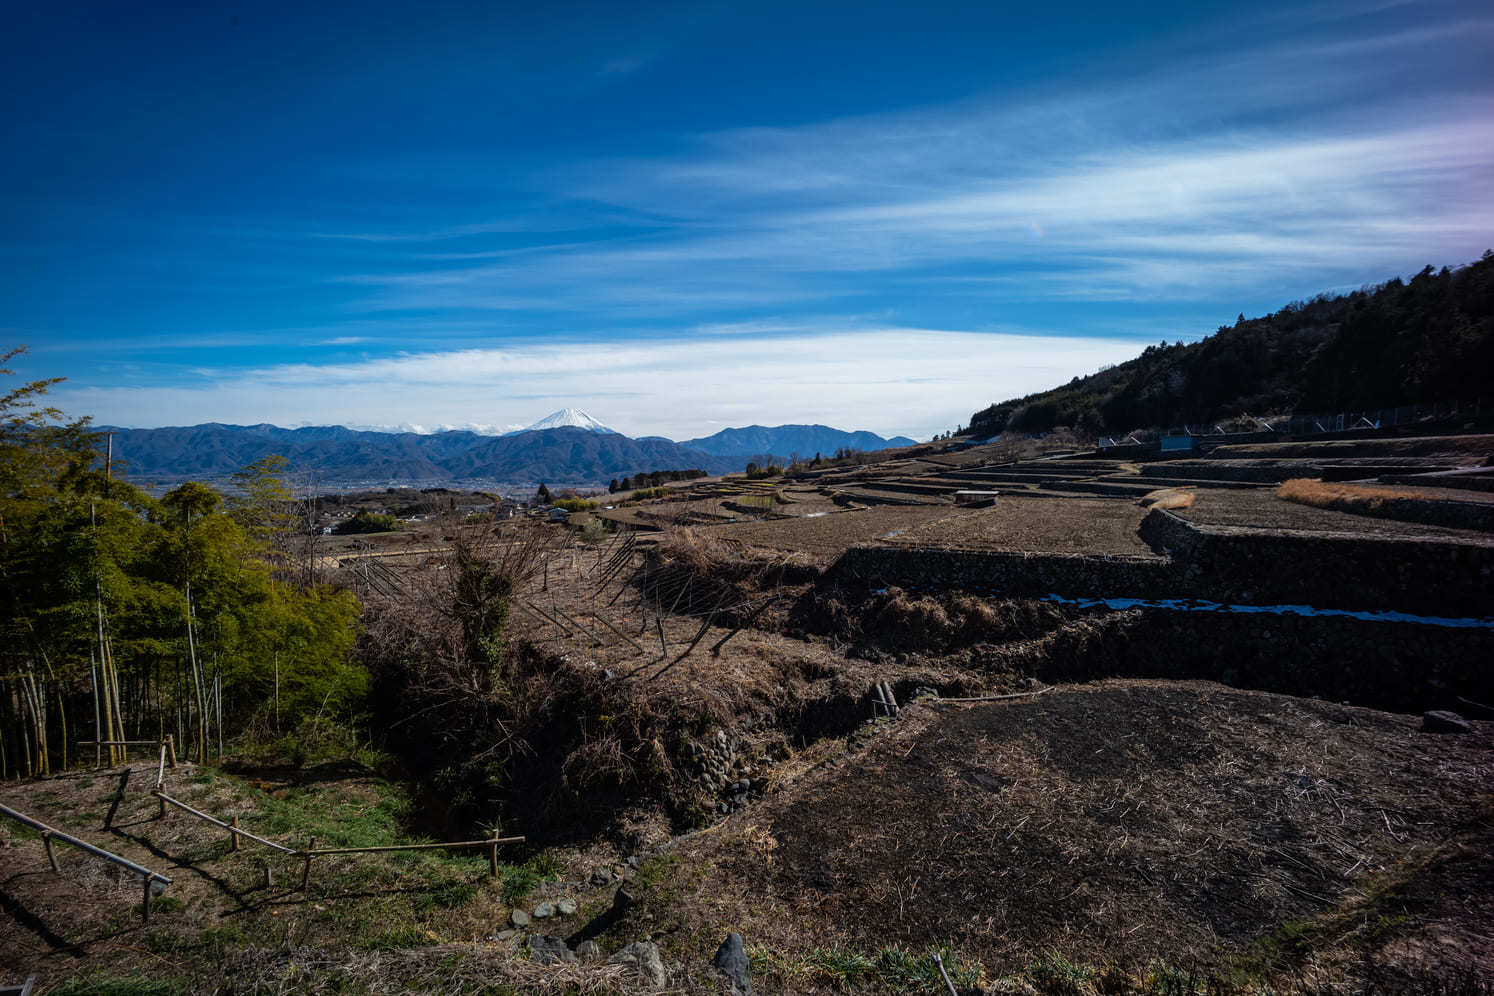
(131, 617)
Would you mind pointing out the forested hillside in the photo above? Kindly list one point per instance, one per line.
(783, 441)
(566, 455)
(1430, 338)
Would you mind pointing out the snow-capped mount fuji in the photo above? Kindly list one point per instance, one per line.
(568, 418)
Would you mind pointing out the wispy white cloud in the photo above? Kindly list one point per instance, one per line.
(1212, 174)
(874, 378)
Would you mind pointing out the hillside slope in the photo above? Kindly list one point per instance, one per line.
(558, 456)
(785, 440)
(1427, 339)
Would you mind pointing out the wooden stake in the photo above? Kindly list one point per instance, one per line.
(604, 622)
(170, 751)
(269, 879)
(233, 838)
(306, 868)
(51, 855)
(145, 902)
(715, 650)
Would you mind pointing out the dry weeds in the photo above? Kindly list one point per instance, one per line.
(1118, 823)
(1165, 498)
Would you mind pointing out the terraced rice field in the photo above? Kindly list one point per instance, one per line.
(1037, 525)
(1263, 510)
(828, 535)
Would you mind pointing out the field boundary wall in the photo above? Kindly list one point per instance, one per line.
(1250, 566)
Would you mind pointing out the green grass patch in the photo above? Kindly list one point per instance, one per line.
(520, 880)
(164, 904)
(396, 938)
(130, 985)
(448, 897)
(893, 968)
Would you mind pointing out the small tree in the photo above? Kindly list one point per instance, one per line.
(543, 494)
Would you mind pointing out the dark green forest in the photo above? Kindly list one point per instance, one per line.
(1422, 340)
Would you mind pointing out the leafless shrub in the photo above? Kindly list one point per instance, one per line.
(692, 571)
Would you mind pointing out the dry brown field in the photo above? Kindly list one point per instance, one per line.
(1036, 525)
(1264, 510)
(828, 535)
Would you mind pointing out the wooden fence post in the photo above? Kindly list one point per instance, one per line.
(233, 838)
(306, 868)
(145, 902)
(493, 854)
(51, 855)
(171, 749)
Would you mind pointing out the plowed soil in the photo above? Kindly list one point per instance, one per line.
(1120, 822)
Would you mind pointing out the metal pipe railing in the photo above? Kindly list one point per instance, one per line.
(52, 833)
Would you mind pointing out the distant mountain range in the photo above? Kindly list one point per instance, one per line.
(577, 451)
(785, 440)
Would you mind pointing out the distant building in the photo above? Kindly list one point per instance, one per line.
(975, 499)
(1179, 443)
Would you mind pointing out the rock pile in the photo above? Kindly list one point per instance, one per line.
(731, 777)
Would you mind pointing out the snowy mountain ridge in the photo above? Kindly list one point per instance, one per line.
(572, 418)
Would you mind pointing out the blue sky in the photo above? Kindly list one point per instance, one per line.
(683, 217)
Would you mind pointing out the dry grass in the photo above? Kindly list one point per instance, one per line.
(1036, 525)
(828, 535)
(1400, 504)
(1173, 498)
(1258, 509)
(1118, 823)
(1346, 497)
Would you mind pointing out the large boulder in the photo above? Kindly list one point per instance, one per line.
(644, 956)
(549, 950)
(731, 961)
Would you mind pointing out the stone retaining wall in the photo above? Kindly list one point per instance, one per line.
(1402, 667)
(1070, 575)
(1324, 570)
